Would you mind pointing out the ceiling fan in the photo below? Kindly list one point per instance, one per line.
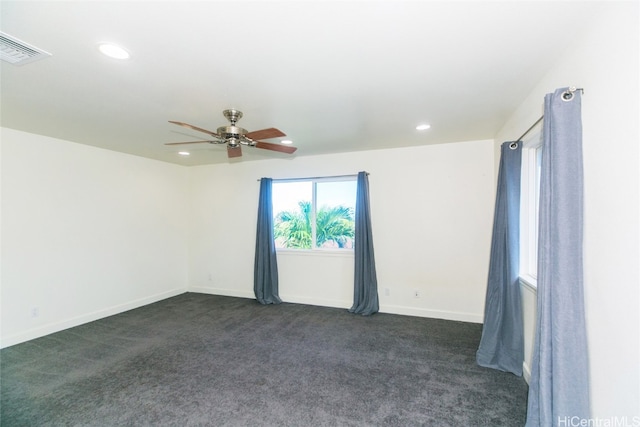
(234, 137)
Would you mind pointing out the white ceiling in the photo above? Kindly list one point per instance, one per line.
(335, 76)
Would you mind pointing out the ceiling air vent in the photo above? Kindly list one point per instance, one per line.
(17, 52)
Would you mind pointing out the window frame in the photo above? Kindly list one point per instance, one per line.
(529, 206)
(314, 194)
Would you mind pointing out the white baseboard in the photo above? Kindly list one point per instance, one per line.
(51, 328)
(433, 314)
(295, 299)
(390, 309)
(221, 291)
(322, 302)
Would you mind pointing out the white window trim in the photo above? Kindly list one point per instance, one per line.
(529, 196)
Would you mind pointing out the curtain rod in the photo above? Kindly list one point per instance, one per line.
(529, 130)
(315, 177)
(566, 96)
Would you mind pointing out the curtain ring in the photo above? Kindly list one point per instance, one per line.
(567, 95)
(513, 145)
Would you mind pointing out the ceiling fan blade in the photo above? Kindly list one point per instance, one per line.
(265, 134)
(234, 151)
(187, 125)
(276, 147)
(188, 142)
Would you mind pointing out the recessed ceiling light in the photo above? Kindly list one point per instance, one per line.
(423, 127)
(183, 153)
(113, 51)
(286, 142)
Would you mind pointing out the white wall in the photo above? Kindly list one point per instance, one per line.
(86, 233)
(605, 64)
(432, 210)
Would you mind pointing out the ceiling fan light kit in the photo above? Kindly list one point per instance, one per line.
(234, 136)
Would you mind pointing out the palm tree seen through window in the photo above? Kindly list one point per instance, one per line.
(314, 214)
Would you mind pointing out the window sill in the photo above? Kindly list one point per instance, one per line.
(344, 253)
(529, 281)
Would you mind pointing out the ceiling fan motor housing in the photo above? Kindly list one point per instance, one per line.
(231, 134)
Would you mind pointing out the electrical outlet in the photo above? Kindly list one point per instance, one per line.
(35, 312)
(386, 292)
(210, 277)
(416, 293)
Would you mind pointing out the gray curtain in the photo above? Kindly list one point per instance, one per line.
(265, 272)
(559, 386)
(365, 289)
(502, 343)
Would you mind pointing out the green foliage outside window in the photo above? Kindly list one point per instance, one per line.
(335, 227)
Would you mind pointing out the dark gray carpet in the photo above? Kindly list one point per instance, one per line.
(205, 360)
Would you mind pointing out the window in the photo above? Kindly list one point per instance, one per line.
(316, 213)
(529, 206)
